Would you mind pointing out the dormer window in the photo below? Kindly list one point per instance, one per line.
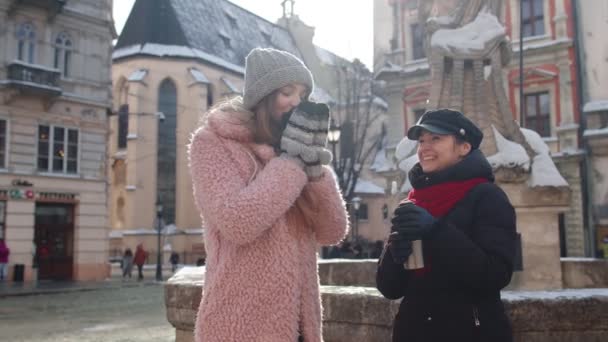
(226, 39)
(232, 21)
(267, 38)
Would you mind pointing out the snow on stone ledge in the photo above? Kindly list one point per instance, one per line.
(553, 294)
(509, 155)
(473, 37)
(595, 132)
(596, 106)
(544, 172)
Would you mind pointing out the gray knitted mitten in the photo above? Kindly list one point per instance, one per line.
(305, 137)
(320, 141)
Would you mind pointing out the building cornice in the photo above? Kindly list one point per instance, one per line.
(168, 51)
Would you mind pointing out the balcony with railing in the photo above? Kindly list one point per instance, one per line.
(35, 79)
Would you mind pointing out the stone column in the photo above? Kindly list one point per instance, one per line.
(537, 222)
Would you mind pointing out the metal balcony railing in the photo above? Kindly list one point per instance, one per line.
(34, 78)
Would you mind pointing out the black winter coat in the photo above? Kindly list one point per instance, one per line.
(471, 260)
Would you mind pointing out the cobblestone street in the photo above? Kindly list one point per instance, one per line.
(128, 313)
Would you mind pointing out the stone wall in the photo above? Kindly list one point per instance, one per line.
(361, 314)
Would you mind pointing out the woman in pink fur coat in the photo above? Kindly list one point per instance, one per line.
(267, 202)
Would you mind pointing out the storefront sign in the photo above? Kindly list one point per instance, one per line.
(29, 194)
(21, 194)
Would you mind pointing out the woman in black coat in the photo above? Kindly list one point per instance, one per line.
(467, 227)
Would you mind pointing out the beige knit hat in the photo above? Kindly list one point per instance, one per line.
(268, 69)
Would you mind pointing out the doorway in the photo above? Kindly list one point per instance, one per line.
(54, 240)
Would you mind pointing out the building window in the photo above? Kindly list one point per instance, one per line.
(538, 113)
(123, 125)
(26, 42)
(3, 143)
(167, 157)
(362, 213)
(63, 53)
(57, 149)
(533, 19)
(2, 219)
(417, 41)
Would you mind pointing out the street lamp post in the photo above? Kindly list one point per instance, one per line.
(159, 216)
(333, 136)
(356, 205)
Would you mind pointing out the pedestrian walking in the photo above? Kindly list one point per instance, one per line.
(4, 254)
(467, 228)
(267, 202)
(127, 263)
(174, 260)
(140, 259)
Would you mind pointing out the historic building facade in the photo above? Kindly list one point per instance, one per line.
(173, 61)
(552, 86)
(54, 98)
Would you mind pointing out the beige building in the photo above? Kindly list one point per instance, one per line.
(169, 68)
(553, 98)
(593, 53)
(54, 99)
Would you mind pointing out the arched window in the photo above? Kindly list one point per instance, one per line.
(123, 125)
(63, 53)
(166, 161)
(26, 42)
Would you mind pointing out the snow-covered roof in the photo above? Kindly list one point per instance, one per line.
(198, 76)
(230, 86)
(138, 75)
(204, 25)
(366, 187)
(510, 154)
(472, 38)
(161, 50)
(596, 106)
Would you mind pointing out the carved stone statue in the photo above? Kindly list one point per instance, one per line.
(468, 47)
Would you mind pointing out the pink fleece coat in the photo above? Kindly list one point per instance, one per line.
(261, 281)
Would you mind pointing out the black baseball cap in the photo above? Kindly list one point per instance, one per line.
(447, 121)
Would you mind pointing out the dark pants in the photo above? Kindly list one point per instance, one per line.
(140, 275)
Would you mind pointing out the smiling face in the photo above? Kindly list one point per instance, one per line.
(437, 152)
(287, 98)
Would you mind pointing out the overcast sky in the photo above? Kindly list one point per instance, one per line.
(341, 26)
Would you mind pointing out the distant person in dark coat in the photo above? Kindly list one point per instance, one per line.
(174, 259)
(127, 263)
(140, 259)
(467, 228)
(4, 253)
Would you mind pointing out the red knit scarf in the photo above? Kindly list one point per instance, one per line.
(439, 199)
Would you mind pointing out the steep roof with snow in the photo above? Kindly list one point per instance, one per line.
(215, 30)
